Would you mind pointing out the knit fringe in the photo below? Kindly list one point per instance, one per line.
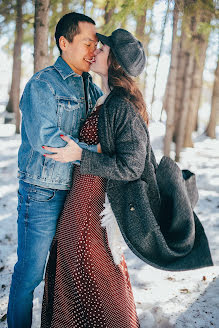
(114, 236)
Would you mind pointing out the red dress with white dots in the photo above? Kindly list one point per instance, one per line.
(83, 285)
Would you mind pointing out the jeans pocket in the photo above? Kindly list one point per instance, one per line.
(39, 194)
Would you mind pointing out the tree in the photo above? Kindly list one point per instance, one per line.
(172, 84)
(41, 28)
(144, 29)
(200, 38)
(140, 34)
(160, 50)
(214, 117)
(180, 78)
(196, 89)
(195, 18)
(13, 103)
(7, 18)
(185, 103)
(109, 11)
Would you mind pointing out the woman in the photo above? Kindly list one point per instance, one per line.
(87, 283)
(84, 287)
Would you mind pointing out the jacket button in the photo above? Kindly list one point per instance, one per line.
(131, 208)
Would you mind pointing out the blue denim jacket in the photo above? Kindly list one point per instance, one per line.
(53, 103)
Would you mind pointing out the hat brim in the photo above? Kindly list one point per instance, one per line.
(104, 39)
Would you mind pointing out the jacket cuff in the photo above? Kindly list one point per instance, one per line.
(89, 163)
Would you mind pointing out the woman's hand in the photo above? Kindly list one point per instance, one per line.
(99, 150)
(70, 153)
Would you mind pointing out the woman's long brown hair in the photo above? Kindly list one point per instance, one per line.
(117, 78)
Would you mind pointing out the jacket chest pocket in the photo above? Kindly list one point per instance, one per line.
(69, 115)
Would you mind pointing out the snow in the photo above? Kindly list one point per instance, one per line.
(188, 299)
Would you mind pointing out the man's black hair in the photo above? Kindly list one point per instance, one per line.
(68, 26)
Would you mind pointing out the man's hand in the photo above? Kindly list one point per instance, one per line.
(70, 153)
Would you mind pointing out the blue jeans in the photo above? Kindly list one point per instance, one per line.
(38, 211)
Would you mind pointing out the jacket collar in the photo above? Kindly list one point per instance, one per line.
(65, 70)
(115, 92)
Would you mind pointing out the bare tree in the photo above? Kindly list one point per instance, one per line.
(140, 34)
(200, 40)
(56, 15)
(185, 103)
(172, 84)
(13, 103)
(166, 93)
(84, 7)
(65, 7)
(52, 24)
(160, 50)
(140, 24)
(108, 11)
(41, 27)
(181, 68)
(214, 117)
(195, 93)
(146, 42)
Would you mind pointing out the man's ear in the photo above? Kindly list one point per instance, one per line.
(63, 43)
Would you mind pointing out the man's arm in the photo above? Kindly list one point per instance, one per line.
(39, 107)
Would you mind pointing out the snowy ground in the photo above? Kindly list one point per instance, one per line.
(164, 299)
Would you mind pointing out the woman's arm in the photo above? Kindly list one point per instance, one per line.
(70, 153)
(127, 163)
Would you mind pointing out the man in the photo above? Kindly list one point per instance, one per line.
(55, 101)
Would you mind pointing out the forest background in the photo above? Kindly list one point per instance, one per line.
(180, 84)
(180, 81)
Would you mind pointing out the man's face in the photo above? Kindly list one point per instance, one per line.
(79, 53)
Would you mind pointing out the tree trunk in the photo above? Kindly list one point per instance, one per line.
(147, 39)
(84, 7)
(51, 49)
(172, 85)
(200, 40)
(65, 7)
(181, 68)
(196, 89)
(140, 26)
(52, 25)
(142, 22)
(140, 34)
(185, 103)
(41, 27)
(214, 117)
(109, 10)
(166, 93)
(108, 13)
(13, 103)
(160, 51)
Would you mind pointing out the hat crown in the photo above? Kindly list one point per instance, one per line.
(129, 51)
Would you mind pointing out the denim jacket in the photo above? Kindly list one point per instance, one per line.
(53, 103)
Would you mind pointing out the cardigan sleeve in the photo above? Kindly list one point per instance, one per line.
(128, 161)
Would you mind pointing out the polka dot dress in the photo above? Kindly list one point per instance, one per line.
(83, 286)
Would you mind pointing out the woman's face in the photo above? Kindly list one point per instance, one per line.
(100, 64)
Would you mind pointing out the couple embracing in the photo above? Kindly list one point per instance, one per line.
(87, 179)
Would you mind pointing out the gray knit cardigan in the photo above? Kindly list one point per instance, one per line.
(153, 204)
